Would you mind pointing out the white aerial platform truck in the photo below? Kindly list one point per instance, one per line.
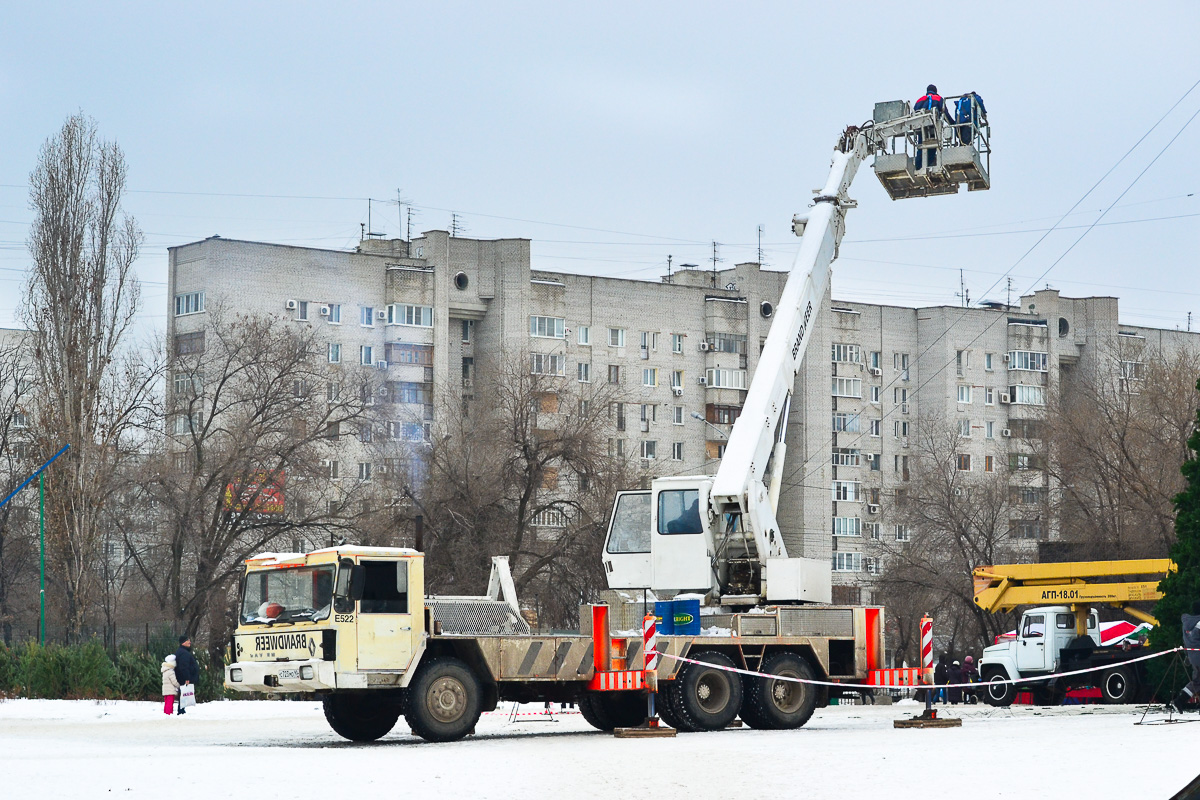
(354, 625)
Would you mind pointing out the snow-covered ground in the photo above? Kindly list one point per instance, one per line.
(52, 749)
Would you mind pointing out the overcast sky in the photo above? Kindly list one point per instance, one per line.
(618, 134)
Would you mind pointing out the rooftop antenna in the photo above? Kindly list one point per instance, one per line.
(1189, 321)
(760, 258)
(1008, 294)
(400, 203)
(456, 226)
(715, 258)
(370, 233)
(962, 290)
(408, 234)
(669, 279)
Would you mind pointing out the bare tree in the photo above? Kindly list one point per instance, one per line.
(955, 517)
(80, 303)
(528, 474)
(254, 423)
(17, 550)
(1118, 433)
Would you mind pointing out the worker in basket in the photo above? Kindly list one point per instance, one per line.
(968, 112)
(930, 101)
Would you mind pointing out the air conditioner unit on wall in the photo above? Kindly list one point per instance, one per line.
(703, 381)
(381, 314)
(1005, 397)
(1005, 432)
(872, 508)
(324, 311)
(1006, 357)
(677, 391)
(381, 364)
(876, 371)
(291, 305)
(705, 346)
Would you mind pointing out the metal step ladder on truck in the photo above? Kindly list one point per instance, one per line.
(1065, 638)
(353, 624)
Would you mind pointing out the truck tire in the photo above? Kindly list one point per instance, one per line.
(996, 693)
(606, 711)
(779, 705)
(360, 717)
(707, 698)
(444, 700)
(1118, 685)
(664, 706)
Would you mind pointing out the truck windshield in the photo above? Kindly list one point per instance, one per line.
(287, 595)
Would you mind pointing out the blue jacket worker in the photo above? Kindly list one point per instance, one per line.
(968, 112)
(187, 669)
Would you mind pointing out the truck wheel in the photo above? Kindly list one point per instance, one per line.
(1118, 686)
(444, 700)
(664, 705)
(360, 718)
(608, 710)
(997, 692)
(780, 705)
(708, 698)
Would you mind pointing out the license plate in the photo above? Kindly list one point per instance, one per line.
(289, 674)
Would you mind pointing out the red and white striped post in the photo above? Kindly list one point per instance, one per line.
(927, 661)
(650, 666)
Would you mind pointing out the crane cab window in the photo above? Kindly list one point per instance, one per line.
(630, 531)
(386, 588)
(679, 511)
(1035, 626)
(1064, 622)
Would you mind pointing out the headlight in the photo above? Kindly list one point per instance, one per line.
(306, 673)
(235, 675)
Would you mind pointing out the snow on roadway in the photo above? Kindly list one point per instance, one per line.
(79, 749)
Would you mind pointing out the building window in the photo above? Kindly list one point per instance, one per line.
(964, 428)
(1028, 360)
(900, 465)
(583, 335)
(302, 310)
(364, 433)
(900, 363)
(871, 566)
(547, 327)
(189, 343)
(875, 394)
(722, 415)
(871, 529)
(847, 526)
(335, 353)
(987, 361)
(364, 354)
(185, 424)
(847, 562)
(649, 412)
(1027, 395)
(903, 533)
(962, 462)
(989, 397)
(846, 491)
(400, 353)
(547, 364)
(616, 337)
(1027, 529)
(876, 359)
(585, 372)
(410, 315)
(844, 422)
(614, 373)
(726, 379)
(727, 343)
(962, 360)
(1020, 462)
(846, 353)
(335, 314)
(1133, 370)
(899, 395)
(189, 303)
(366, 316)
(190, 384)
(873, 462)
(677, 415)
(964, 394)
(874, 426)
(989, 463)
(677, 379)
(468, 329)
(847, 387)
(649, 340)
(677, 451)
(846, 457)
(650, 376)
(899, 429)
(649, 448)
(1027, 495)
(676, 342)
(420, 394)
(333, 392)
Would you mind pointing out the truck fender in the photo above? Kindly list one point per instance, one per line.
(1005, 663)
(407, 677)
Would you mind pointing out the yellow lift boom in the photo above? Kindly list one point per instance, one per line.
(1003, 587)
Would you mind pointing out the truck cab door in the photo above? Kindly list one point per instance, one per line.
(627, 546)
(385, 616)
(679, 538)
(1031, 644)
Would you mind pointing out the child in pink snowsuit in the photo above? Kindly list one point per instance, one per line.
(170, 684)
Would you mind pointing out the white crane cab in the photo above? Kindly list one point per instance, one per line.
(662, 538)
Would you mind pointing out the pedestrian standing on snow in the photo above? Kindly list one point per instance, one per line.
(970, 675)
(955, 676)
(940, 676)
(187, 670)
(170, 684)
(1191, 640)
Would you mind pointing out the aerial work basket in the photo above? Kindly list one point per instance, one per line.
(923, 153)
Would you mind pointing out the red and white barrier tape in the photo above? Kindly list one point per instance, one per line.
(977, 685)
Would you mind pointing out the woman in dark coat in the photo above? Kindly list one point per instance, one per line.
(955, 675)
(940, 676)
